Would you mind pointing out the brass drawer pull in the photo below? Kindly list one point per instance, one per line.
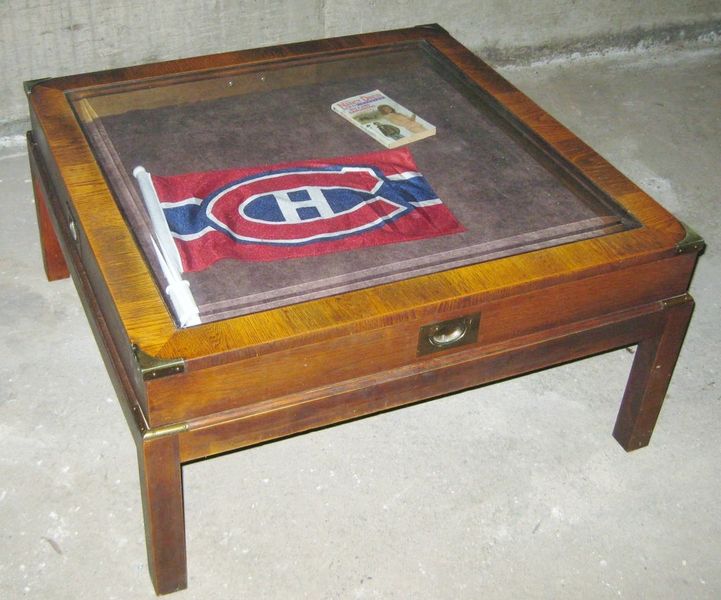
(73, 229)
(448, 334)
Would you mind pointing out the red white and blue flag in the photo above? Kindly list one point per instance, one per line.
(299, 209)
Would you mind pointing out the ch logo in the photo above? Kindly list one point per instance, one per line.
(300, 206)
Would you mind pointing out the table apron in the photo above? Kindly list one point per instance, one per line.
(410, 384)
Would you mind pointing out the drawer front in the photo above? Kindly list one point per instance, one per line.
(200, 392)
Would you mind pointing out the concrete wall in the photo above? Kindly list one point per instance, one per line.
(41, 38)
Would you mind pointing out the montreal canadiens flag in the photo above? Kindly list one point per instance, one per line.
(295, 210)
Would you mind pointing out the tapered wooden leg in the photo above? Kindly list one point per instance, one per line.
(162, 490)
(53, 259)
(650, 375)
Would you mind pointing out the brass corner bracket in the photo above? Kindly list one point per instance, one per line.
(31, 83)
(152, 367)
(152, 434)
(692, 242)
(676, 300)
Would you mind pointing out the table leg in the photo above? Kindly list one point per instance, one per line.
(650, 375)
(53, 259)
(162, 491)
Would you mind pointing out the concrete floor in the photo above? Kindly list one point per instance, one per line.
(515, 490)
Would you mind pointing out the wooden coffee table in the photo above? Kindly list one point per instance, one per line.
(563, 256)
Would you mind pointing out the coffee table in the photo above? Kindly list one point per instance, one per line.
(562, 256)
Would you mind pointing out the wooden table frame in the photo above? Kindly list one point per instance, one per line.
(179, 387)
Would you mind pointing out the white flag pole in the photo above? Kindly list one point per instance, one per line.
(178, 289)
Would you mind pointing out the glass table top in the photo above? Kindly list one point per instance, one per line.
(504, 188)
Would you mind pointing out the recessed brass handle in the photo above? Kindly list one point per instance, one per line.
(73, 229)
(448, 334)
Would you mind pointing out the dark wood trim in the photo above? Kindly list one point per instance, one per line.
(53, 259)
